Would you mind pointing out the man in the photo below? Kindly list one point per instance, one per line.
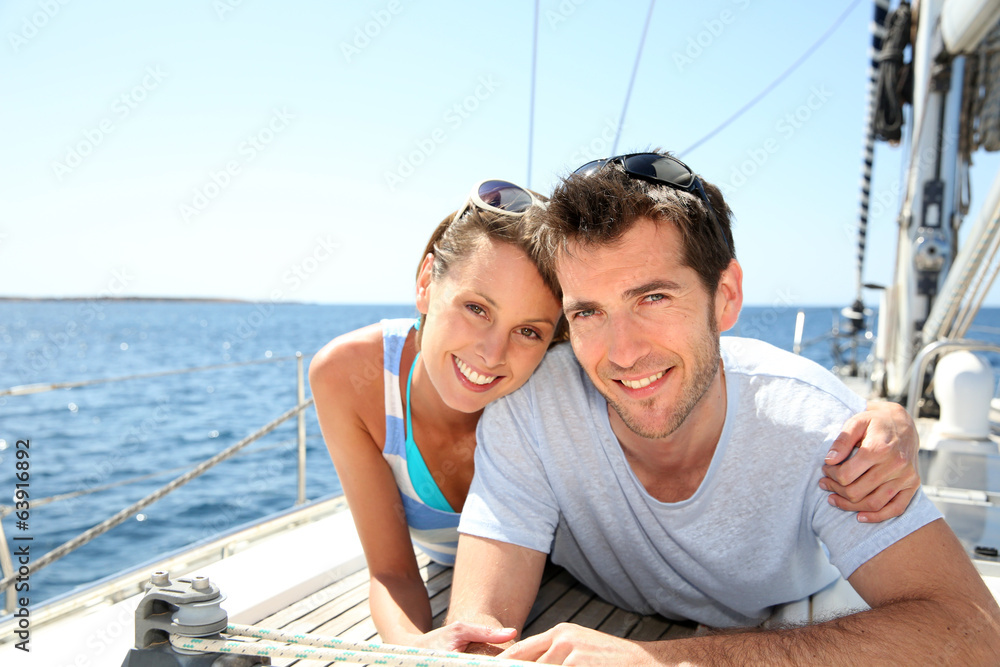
(674, 473)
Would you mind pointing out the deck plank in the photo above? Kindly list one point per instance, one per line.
(342, 610)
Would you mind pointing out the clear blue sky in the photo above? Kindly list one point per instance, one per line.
(304, 150)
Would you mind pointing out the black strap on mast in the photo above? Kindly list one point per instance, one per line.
(885, 109)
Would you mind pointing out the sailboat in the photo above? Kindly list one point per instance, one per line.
(920, 355)
(270, 573)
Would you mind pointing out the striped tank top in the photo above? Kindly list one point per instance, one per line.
(432, 522)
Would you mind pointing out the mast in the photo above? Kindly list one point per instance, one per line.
(929, 218)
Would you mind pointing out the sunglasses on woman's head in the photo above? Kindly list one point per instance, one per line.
(662, 170)
(499, 197)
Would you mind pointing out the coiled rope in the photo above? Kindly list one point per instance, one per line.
(303, 646)
(981, 97)
(892, 81)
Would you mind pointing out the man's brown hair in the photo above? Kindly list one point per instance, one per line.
(598, 209)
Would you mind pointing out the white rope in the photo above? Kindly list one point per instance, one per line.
(307, 639)
(302, 646)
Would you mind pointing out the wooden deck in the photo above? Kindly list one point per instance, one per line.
(341, 610)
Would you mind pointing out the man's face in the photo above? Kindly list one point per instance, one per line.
(644, 327)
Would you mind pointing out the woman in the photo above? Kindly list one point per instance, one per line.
(487, 317)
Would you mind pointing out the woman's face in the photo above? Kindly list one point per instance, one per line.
(489, 321)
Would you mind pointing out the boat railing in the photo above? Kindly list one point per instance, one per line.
(848, 335)
(10, 573)
(928, 353)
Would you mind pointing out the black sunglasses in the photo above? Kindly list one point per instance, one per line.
(662, 170)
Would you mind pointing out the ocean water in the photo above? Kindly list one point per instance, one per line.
(129, 438)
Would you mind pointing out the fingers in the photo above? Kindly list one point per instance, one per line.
(462, 634)
(534, 649)
(884, 502)
(851, 433)
(849, 495)
(882, 458)
(893, 508)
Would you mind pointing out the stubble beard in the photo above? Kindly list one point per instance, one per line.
(673, 416)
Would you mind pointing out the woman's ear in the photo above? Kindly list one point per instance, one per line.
(424, 283)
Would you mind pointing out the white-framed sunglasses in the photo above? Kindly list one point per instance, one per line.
(500, 197)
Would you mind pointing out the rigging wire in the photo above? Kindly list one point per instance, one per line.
(631, 81)
(781, 77)
(531, 103)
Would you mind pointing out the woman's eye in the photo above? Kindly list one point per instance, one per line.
(529, 333)
(476, 309)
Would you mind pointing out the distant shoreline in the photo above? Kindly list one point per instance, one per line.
(125, 298)
(180, 299)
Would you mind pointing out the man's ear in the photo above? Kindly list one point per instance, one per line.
(424, 283)
(729, 296)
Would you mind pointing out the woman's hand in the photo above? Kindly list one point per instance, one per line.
(880, 479)
(457, 636)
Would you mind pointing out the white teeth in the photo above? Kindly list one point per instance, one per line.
(473, 376)
(644, 382)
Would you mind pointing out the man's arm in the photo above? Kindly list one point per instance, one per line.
(494, 584)
(929, 606)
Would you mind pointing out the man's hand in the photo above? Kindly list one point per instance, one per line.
(879, 481)
(570, 644)
(457, 636)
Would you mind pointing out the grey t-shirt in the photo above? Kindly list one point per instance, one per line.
(551, 476)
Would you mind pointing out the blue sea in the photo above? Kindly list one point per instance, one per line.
(127, 438)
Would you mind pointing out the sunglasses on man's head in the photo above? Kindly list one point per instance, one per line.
(499, 197)
(662, 170)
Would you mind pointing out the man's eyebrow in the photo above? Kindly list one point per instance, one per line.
(651, 286)
(631, 293)
(574, 306)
